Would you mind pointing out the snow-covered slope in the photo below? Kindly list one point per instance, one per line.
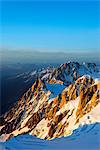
(84, 138)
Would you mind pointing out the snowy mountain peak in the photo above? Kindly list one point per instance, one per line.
(59, 101)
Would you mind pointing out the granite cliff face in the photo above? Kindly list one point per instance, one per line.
(60, 101)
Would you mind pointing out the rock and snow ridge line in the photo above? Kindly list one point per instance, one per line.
(55, 107)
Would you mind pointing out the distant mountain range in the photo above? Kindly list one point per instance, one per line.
(61, 100)
(36, 57)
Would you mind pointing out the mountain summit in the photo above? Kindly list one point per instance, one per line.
(61, 100)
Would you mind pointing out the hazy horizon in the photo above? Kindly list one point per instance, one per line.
(32, 56)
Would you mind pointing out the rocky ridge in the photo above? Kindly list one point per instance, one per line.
(60, 101)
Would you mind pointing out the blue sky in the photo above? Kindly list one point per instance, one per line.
(52, 26)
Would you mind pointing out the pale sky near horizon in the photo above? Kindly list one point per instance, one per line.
(52, 26)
